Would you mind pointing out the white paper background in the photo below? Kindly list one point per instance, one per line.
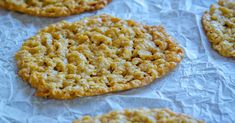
(203, 85)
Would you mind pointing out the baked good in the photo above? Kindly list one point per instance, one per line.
(96, 55)
(53, 8)
(219, 25)
(139, 116)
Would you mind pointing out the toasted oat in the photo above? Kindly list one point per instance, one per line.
(139, 116)
(219, 25)
(96, 55)
(53, 8)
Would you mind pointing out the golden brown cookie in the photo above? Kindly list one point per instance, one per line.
(96, 55)
(139, 116)
(219, 25)
(53, 8)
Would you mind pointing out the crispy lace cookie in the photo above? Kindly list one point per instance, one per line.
(53, 8)
(139, 116)
(96, 55)
(219, 25)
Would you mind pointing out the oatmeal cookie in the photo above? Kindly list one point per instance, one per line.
(53, 8)
(219, 25)
(139, 116)
(96, 55)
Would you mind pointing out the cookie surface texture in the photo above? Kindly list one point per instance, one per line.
(53, 8)
(219, 25)
(96, 55)
(140, 116)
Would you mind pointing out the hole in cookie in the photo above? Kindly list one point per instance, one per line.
(108, 85)
(44, 64)
(92, 75)
(111, 69)
(61, 88)
(59, 68)
(226, 25)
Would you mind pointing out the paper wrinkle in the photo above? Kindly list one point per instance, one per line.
(203, 85)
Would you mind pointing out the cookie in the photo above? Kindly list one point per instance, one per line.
(139, 116)
(96, 55)
(219, 25)
(53, 8)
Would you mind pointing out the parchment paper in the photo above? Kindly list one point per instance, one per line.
(203, 85)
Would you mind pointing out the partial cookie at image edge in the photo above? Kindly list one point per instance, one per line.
(54, 11)
(220, 27)
(140, 115)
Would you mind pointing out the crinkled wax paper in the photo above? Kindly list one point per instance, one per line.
(203, 85)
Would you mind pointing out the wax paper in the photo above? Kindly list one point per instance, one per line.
(203, 85)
